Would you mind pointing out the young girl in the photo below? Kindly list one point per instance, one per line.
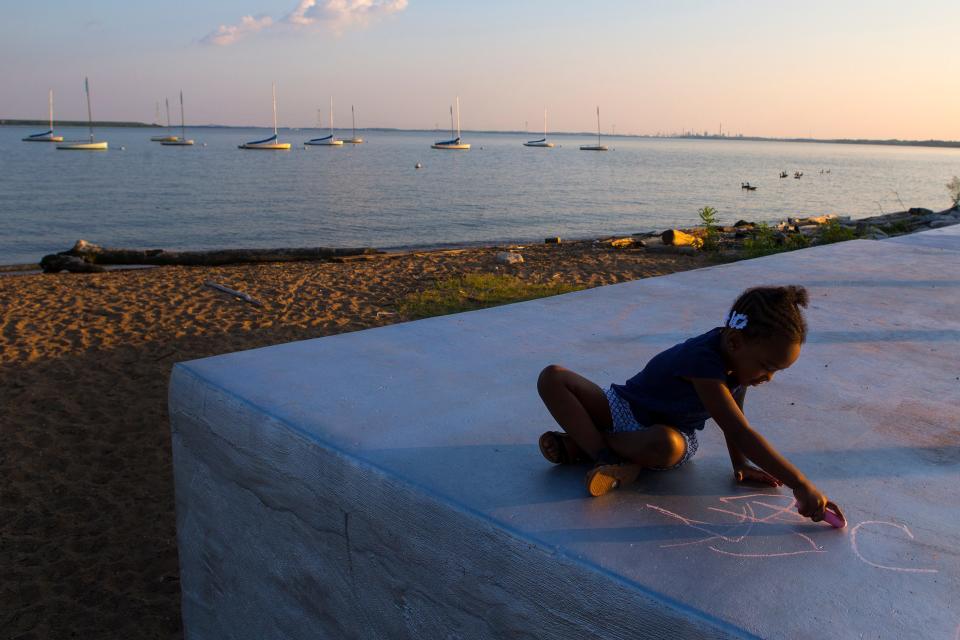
(652, 421)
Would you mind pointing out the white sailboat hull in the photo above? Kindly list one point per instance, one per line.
(325, 143)
(83, 146)
(544, 145)
(270, 146)
(46, 138)
(177, 143)
(164, 138)
(354, 140)
(594, 147)
(462, 146)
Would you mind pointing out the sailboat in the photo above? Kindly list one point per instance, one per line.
(354, 139)
(168, 137)
(85, 145)
(181, 141)
(46, 136)
(598, 146)
(455, 142)
(270, 143)
(326, 141)
(542, 142)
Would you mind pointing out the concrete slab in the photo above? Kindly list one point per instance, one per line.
(387, 483)
(944, 238)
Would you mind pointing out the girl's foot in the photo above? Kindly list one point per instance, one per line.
(559, 448)
(604, 478)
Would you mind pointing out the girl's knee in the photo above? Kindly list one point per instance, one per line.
(668, 445)
(550, 377)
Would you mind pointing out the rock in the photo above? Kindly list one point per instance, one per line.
(552, 240)
(919, 211)
(875, 233)
(936, 224)
(742, 223)
(56, 262)
(509, 257)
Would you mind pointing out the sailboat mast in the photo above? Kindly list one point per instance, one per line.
(168, 115)
(183, 126)
(51, 110)
(86, 88)
(274, 86)
(598, 125)
(331, 115)
(353, 117)
(458, 117)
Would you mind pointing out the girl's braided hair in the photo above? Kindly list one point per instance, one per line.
(773, 312)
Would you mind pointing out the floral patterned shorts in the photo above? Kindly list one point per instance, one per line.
(624, 420)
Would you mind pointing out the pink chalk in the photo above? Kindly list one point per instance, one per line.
(833, 519)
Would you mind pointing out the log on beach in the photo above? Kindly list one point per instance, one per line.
(93, 254)
(678, 238)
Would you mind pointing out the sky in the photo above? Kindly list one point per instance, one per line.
(838, 69)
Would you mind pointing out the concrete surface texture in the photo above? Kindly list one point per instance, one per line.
(387, 483)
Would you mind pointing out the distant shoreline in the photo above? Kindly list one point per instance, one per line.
(892, 142)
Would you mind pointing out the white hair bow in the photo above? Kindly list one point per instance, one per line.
(737, 320)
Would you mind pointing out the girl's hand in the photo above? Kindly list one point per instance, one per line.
(749, 474)
(810, 502)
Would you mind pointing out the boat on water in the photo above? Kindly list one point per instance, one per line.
(454, 143)
(182, 140)
(354, 139)
(595, 147)
(169, 137)
(272, 143)
(542, 142)
(85, 145)
(48, 135)
(329, 140)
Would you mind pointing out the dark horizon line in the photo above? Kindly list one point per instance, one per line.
(685, 136)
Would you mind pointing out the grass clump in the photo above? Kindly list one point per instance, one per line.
(767, 241)
(476, 291)
(833, 231)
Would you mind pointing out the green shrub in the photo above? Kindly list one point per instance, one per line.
(711, 234)
(833, 231)
(763, 242)
(895, 228)
(475, 291)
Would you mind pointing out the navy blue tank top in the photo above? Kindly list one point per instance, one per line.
(660, 395)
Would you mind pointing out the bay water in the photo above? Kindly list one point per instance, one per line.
(140, 194)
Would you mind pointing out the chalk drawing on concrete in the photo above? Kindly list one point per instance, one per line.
(744, 509)
(902, 527)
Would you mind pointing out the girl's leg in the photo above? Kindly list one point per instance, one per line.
(579, 406)
(659, 446)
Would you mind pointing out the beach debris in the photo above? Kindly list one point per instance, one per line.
(233, 292)
(95, 254)
(678, 238)
(58, 262)
(619, 243)
(509, 257)
(552, 240)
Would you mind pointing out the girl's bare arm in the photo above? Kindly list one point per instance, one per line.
(723, 408)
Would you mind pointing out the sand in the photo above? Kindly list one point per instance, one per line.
(87, 525)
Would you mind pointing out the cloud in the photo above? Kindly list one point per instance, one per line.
(334, 15)
(339, 15)
(228, 34)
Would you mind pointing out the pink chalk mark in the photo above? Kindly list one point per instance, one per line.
(746, 516)
(902, 527)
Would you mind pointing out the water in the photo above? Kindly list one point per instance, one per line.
(217, 196)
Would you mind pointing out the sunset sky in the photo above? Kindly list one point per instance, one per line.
(847, 69)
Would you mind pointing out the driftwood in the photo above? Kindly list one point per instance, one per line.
(236, 294)
(57, 262)
(677, 238)
(95, 254)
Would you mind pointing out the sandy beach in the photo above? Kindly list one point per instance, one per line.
(87, 520)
